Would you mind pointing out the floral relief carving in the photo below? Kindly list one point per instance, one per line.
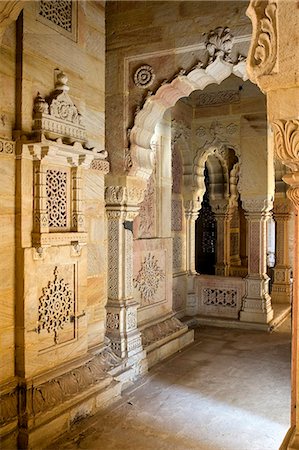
(286, 141)
(60, 389)
(219, 43)
(160, 330)
(148, 279)
(113, 257)
(263, 51)
(218, 98)
(131, 320)
(56, 306)
(177, 170)
(144, 76)
(147, 212)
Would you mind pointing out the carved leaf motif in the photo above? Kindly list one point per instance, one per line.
(286, 139)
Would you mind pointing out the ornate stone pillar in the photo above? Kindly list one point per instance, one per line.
(282, 286)
(191, 214)
(121, 322)
(223, 216)
(257, 302)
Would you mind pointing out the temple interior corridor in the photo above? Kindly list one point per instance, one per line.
(206, 397)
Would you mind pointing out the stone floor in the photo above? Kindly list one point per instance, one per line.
(230, 390)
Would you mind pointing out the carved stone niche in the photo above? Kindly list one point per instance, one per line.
(58, 207)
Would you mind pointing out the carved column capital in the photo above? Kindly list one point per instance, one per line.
(257, 206)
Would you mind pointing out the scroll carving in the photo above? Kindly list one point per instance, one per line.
(160, 331)
(60, 389)
(263, 51)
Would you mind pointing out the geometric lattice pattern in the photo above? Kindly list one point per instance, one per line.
(56, 187)
(55, 306)
(220, 297)
(58, 12)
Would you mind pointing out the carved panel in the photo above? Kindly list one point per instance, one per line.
(9, 407)
(217, 98)
(112, 321)
(177, 253)
(131, 320)
(148, 279)
(56, 306)
(176, 215)
(160, 331)
(220, 297)
(60, 389)
(113, 244)
(56, 188)
(146, 220)
(177, 170)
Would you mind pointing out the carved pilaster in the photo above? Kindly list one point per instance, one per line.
(257, 302)
(282, 286)
(121, 322)
(191, 214)
(223, 216)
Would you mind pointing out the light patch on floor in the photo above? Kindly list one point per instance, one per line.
(230, 390)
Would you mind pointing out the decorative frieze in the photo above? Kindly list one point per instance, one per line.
(144, 76)
(100, 165)
(148, 279)
(7, 147)
(160, 331)
(217, 98)
(120, 195)
(58, 390)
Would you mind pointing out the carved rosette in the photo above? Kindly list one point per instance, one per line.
(263, 51)
(148, 279)
(56, 306)
(144, 76)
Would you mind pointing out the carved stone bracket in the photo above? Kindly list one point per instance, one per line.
(262, 57)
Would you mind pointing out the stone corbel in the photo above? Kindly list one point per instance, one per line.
(262, 56)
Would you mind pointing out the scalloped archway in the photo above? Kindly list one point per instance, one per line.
(165, 97)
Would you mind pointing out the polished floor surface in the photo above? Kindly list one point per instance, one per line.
(230, 390)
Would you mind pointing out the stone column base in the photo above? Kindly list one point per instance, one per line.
(257, 302)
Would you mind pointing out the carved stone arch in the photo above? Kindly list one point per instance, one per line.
(203, 157)
(165, 97)
(9, 12)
